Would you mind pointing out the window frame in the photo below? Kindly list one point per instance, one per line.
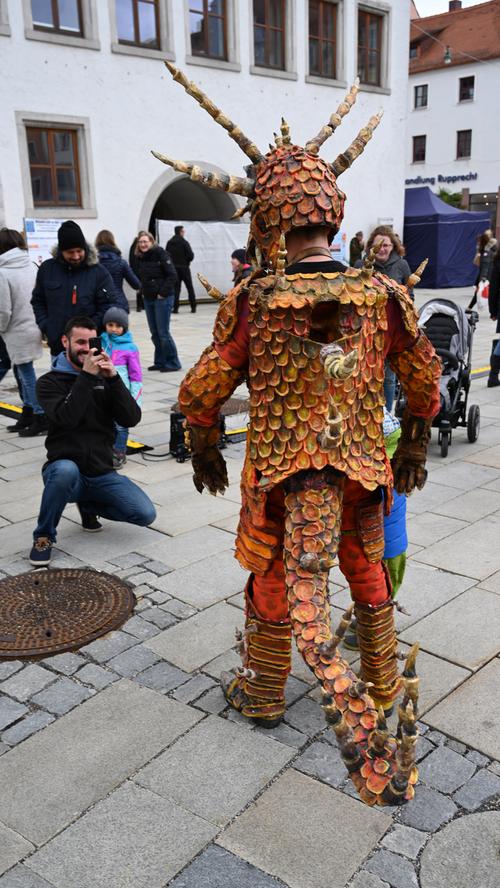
(135, 15)
(165, 35)
(53, 167)
(464, 156)
(414, 145)
(206, 17)
(322, 6)
(460, 81)
(88, 39)
(26, 120)
(56, 29)
(416, 106)
(288, 72)
(5, 30)
(379, 16)
(267, 28)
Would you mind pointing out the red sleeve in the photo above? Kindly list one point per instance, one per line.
(235, 352)
(397, 338)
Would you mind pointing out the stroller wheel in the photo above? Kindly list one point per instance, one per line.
(473, 423)
(445, 443)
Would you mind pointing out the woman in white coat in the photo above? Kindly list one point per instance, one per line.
(18, 327)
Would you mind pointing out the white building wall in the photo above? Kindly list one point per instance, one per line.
(441, 120)
(131, 105)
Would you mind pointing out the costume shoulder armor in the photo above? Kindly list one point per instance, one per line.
(400, 293)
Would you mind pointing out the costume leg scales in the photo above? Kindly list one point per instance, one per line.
(257, 688)
(381, 768)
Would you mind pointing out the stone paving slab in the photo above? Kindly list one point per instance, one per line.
(464, 854)
(445, 770)
(13, 848)
(206, 582)
(424, 590)
(198, 639)
(115, 538)
(437, 678)
(56, 774)
(132, 838)
(399, 872)
(489, 457)
(482, 787)
(311, 816)
(22, 877)
(463, 475)
(471, 714)
(475, 617)
(470, 506)
(216, 868)
(10, 711)
(189, 547)
(192, 511)
(27, 682)
(473, 552)
(215, 769)
(425, 529)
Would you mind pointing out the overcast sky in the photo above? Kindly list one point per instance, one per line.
(432, 7)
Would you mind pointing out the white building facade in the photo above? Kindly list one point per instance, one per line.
(451, 110)
(84, 96)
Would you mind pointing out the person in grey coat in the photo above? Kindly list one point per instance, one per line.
(18, 327)
(389, 261)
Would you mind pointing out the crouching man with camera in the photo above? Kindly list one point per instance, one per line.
(82, 397)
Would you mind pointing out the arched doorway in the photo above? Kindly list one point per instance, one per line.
(174, 196)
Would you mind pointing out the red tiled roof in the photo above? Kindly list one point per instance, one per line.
(474, 30)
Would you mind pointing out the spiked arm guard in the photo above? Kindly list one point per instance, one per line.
(203, 391)
(418, 369)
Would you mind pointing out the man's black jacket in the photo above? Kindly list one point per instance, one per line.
(81, 410)
(180, 251)
(63, 291)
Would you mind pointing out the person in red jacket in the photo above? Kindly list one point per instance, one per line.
(311, 337)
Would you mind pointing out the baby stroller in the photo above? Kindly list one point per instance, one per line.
(451, 332)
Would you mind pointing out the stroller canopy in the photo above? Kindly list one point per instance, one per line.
(444, 234)
(460, 342)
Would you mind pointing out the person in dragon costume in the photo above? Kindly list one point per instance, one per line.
(310, 338)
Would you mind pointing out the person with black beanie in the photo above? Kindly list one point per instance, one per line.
(72, 283)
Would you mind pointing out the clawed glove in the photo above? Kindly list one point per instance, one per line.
(209, 467)
(408, 462)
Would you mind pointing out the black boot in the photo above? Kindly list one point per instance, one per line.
(493, 379)
(39, 426)
(24, 420)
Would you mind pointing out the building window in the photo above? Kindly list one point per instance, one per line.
(208, 24)
(413, 50)
(269, 33)
(464, 142)
(419, 149)
(137, 23)
(322, 38)
(369, 47)
(57, 16)
(421, 96)
(466, 89)
(54, 168)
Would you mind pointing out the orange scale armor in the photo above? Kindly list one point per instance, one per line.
(311, 344)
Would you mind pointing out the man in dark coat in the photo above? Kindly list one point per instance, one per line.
(356, 247)
(72, 283)
(83, 397)
(182, 256)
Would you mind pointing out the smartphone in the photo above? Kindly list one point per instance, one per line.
(95, 342)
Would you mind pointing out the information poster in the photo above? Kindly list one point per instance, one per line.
(338, 247)
(41, 236)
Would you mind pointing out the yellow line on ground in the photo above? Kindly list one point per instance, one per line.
(5, 406)
(479, 370)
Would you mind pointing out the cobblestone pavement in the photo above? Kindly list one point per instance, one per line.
(120, 765)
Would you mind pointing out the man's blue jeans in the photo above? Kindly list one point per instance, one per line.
(110, 496)
(158, 313)
(27, 376)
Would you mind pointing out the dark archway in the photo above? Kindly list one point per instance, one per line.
(191, 202)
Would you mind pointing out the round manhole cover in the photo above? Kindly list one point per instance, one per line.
(50, 611)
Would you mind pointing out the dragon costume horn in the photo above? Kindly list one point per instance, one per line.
(233, 184)
(313, 145)
(218, 296)
(357, 146)
(246, 145)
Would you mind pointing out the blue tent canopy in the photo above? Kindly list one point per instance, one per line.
(446, 235)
